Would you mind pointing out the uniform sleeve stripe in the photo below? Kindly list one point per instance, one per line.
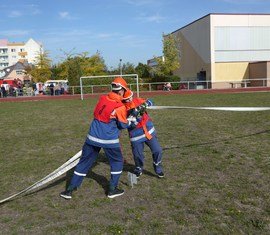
(101, 141)
(133, 139)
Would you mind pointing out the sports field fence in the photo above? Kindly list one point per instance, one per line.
(182, 85)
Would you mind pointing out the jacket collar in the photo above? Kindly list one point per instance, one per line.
(114, 96)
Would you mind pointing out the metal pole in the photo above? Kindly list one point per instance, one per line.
(81, 88)
(120, 66)
(137, 80)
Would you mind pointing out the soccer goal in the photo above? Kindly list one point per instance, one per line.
(91, 84)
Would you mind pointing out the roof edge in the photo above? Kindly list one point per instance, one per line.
(209, 14)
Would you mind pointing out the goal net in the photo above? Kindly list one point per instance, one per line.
(102, 84)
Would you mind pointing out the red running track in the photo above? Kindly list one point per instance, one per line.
(147, 93)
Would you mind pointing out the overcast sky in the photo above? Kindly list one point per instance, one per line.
(127, 29)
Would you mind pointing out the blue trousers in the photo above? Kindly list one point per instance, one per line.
(89, 156)
(156, 150)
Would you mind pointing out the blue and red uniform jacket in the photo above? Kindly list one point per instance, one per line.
(109, 120)
(145, 129)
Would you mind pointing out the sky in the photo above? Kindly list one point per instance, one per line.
(130, 30)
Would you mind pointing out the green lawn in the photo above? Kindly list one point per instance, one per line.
(216, 165)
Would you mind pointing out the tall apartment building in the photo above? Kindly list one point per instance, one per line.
(12, 52)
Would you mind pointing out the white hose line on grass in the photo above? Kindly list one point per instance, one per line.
(239, 109)
(58, 172)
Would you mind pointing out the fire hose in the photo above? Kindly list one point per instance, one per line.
(239, 109)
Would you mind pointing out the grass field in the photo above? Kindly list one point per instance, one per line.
(216, 165)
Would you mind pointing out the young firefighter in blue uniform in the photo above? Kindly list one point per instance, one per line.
(109, 119)
(143, 132)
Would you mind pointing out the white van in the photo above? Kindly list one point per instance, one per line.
(56, 82)
(62, 86)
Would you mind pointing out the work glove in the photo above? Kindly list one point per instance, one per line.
(149, 103)
(142, 108)
(133, 112)
(132, 120)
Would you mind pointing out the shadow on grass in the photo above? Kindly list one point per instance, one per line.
(216, 141)
(100, 179)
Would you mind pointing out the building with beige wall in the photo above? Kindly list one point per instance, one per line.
(222, 49)
(13, 52)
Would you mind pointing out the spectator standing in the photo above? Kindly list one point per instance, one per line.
(11, 91)
(65, 88)
(51, 89)
(3, 91)
(57, 89)
(62, 90)
(34, 87)
(167, 86)
(44, 89)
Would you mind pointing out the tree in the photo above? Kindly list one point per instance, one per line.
(94, 65)
(128, 68)
(143, 70)
(170, 60)
(78, 65)
(74, 71)
(41, 72)
(59, 72)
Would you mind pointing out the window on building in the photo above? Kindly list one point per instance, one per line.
(3, 64)
(13, 50)
(2, 51)
(3, 58)
(19, 72)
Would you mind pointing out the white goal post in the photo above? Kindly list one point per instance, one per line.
(134, 76)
